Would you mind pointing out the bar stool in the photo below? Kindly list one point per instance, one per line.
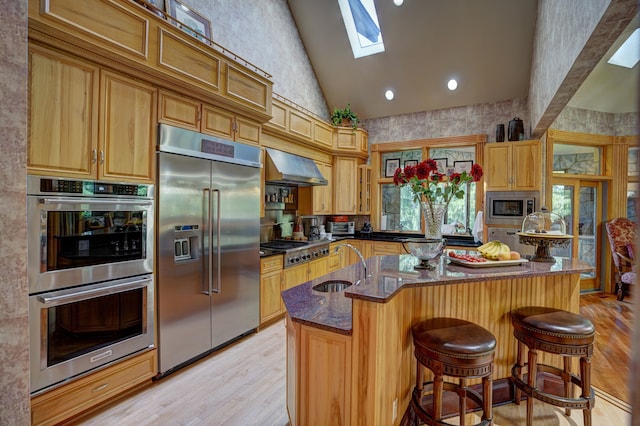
(558, 332)
(456, 348)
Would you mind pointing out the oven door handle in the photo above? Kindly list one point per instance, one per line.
(111, 201)
(50, 299)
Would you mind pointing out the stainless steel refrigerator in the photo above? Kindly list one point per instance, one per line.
(208, 244)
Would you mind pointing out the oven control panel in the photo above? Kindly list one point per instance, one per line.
(43, 185)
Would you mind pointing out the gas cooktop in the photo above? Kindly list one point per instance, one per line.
(295, 251)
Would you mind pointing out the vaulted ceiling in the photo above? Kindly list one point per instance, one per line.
(486, 45)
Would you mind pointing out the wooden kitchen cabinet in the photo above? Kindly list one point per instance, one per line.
(317, 200)
(318, 268)
(86, 122)
(296, 275)
(513, 166)
(67, 401)
(349, 140)
(128, 129)
(365, 248)
(383, 248)
(364, 189)
(314, 397)
(345, 176)
(63, 115)
(336, 260)
(271, 305)
(274, 279)
(187, 113)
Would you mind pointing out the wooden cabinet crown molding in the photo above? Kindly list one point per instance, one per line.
(297, 125)
(126, 37)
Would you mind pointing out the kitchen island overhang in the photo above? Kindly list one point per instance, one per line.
(370, 324)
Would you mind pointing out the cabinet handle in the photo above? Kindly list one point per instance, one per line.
(101, 157)
(101, 387)
(94, 156)
(199, 118)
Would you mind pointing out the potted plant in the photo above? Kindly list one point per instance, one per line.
(345, 117)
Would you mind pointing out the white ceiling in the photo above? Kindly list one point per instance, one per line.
(610, 88)
(486, 45)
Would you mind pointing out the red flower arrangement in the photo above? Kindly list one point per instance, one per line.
(427, 184)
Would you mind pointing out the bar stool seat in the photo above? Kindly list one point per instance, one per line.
(456, 348)
(558, 332)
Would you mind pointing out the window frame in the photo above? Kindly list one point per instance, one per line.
(378, 179)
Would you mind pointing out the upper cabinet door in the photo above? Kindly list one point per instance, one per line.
(527, 166)
(128, 130)
(346, 178)
(498, 169)
(63, 115)
(179, 111)
(513, 166)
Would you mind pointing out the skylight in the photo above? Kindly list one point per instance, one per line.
(361, 22)
(628, 54)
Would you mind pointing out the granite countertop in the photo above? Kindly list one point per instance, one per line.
(387, 275)
(452, 240)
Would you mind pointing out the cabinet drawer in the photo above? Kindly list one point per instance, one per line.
(66, 401)
(271, 263)
(384, 247)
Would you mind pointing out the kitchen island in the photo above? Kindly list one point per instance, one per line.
(350, 354)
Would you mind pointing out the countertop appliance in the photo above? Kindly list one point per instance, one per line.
(510, 207)
(208, 244)
(341, 228)
(296, 252)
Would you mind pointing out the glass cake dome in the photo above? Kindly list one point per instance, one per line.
(544, 222)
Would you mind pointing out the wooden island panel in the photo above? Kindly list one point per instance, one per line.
(383, 361)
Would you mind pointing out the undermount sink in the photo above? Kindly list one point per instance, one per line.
(332, 286)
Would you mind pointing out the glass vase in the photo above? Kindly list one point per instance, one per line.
(432, 245)
(433, 219)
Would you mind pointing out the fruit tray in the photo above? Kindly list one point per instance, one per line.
(487, 264)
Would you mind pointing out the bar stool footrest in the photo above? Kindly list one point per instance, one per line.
(425, 416)
(579, 403)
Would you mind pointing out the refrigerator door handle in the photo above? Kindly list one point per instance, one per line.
(206, 264)
(218, 251)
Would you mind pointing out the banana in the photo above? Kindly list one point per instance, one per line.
(494, 250)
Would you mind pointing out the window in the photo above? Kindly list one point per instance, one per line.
(633, 185)
(361, 22)
(576, 159)
(398, 210)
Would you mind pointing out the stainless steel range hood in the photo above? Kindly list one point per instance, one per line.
(284, 168)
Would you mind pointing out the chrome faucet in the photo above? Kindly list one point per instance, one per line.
(364, 264)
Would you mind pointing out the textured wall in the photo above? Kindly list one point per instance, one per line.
(14, 332)
(466, 120)
(561, 34)
(263, 32)
(595, 122)
(571, 38)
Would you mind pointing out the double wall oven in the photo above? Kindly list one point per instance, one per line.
(90, 263)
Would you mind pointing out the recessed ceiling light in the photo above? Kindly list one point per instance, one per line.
(398, 2)
(389, 95)
(452, 84)
(628, 54)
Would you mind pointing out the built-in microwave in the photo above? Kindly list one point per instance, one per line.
(510, 207)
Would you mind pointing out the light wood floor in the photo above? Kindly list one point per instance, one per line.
(244, 384)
